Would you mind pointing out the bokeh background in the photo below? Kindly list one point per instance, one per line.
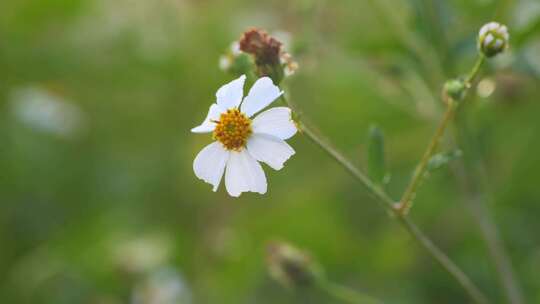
(98, 200)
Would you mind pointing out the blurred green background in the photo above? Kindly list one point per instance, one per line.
(98, 200)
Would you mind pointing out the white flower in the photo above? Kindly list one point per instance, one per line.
(241, 142)
(226, 61)
(47, 112)
(493, 38)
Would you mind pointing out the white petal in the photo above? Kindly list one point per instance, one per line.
(208, 126)
(488, 40)
(275, 121)
(244, 174)
(230, 95)
(210, 164)
(270, 150)
(262, 93)
(483, 30)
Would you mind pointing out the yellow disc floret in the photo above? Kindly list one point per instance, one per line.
(233, 129)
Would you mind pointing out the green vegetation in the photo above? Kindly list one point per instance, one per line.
(99, 202)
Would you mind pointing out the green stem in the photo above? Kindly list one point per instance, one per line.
(384, 199)
(387, 202)
(345, 294)
(408, 196)
(474, 71)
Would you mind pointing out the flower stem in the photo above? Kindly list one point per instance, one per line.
(476, 68)
(383, 198)
(386, 202)
(346, 294)
(408, 196)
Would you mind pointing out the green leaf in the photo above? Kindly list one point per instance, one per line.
(442, 159)
(375, 155)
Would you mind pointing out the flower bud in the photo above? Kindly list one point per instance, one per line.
(454, 89)
(290, 266)
(493, 39)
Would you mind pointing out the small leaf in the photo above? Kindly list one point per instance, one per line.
(442, 159)
(375, 155)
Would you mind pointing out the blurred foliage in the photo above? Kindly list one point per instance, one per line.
(98, 201)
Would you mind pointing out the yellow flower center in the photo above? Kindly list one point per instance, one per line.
(233, 129)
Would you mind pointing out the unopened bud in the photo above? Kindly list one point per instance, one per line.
(454, 89)
(493, 39)
(290, 266)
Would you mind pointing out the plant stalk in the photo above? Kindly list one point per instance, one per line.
(475, 70)
(345, 294)
(408, 196)
(387, 203)
(410, 192)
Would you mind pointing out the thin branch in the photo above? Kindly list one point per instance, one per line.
(345, 294)
(384, 199)
(400, 212)
(444, 260)
(408, 196)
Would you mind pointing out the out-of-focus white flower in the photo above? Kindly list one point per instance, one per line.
(156, 28)
(226, 60)
(44, 111)
(142, 254)
(493, 39)
(164, 286)
(289, 65)
(235, 48)
(241, 142)
(486, 87)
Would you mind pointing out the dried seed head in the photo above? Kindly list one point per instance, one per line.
(291, 266)
(264, 47)
(266, 51)
(493, 39)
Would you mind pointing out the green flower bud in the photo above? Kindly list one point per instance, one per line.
(455, 89)
(493, 39)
